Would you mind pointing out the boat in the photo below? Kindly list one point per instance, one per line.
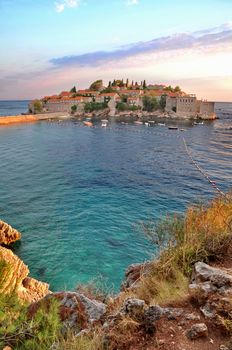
(161, 124)
(137, 122)
(173, 128)
(87, 123)
(146, 124)
(198, 123)
(104, 123)
(182, 130)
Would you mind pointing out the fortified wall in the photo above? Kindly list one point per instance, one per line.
(189, 106)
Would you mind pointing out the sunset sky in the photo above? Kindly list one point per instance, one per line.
(48, 46)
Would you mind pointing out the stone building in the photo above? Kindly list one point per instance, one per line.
(186, 105)
(65, 105)
(189, 106)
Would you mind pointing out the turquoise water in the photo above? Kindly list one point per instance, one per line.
(77, 194)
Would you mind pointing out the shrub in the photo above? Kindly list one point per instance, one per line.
(95, 106)
(22, 333)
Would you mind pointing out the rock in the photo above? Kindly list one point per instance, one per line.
(172, 313)
(214, 276)
(208, 311)
(77, 312)
(154, 313)
(134, 308)
(14, 278)
(8, 234)
(192, 317)
(198, 330)
(223, 347)
(133, 275)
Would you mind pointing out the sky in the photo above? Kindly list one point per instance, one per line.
(49, 46)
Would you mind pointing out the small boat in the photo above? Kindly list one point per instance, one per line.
(104, 123)
(87, 123)
(173, 128)
(146, 124)
(198, 123)
(161, 124)
(151, 121)
(137, 122)
(182, 130)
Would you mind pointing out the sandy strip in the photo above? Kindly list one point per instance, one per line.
(6, 120)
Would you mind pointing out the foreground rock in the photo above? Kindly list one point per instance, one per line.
(208, 279)
(14, 278)
(8, 234)
(134, 273)
(77, 312)
(198, 330)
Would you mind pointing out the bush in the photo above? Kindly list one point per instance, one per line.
(150, 104)
(122, 106)
(95, 106)
(22, 333)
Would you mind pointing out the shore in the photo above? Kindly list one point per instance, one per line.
(97, 116)
(30, 118)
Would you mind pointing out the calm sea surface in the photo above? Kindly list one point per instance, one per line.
(77, 194)
(13, 107)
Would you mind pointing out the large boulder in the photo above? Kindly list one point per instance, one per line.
(208, 280)
(14, 278)
(77, 312)
(8, 234)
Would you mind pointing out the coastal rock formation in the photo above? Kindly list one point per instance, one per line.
(13, 278)
(134, 273)
(8, 234)
(77, 312)
(209, 279)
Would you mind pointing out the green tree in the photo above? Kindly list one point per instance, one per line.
(94, 106)
(73, 109)
(96, 85)
(177, 89)
(127, 82)
(124, 98)
(110, 84)
(37, 106)
(144, 84)
(150, 103)
(162, 102)
(74, 90)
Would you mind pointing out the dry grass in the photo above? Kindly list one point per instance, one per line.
(92, 341)
(204, 233)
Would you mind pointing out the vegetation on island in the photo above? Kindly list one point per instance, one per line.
(203, 233)
(96, 85)
(94, 106)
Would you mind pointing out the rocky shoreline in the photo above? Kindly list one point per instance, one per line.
(127, 117)
(194, 321)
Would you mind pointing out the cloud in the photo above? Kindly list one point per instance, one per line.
(209, 38)
(60, 6)
(132, 2)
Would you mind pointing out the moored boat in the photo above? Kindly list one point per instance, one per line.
(87, 123)
(173, 128)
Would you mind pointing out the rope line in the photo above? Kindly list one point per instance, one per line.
(139, 131)
(212, 183)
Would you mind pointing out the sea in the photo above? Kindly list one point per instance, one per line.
(80, 195)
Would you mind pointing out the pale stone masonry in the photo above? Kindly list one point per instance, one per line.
(189, 106)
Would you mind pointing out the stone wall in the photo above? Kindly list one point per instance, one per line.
(186, 106)
(170, 103)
